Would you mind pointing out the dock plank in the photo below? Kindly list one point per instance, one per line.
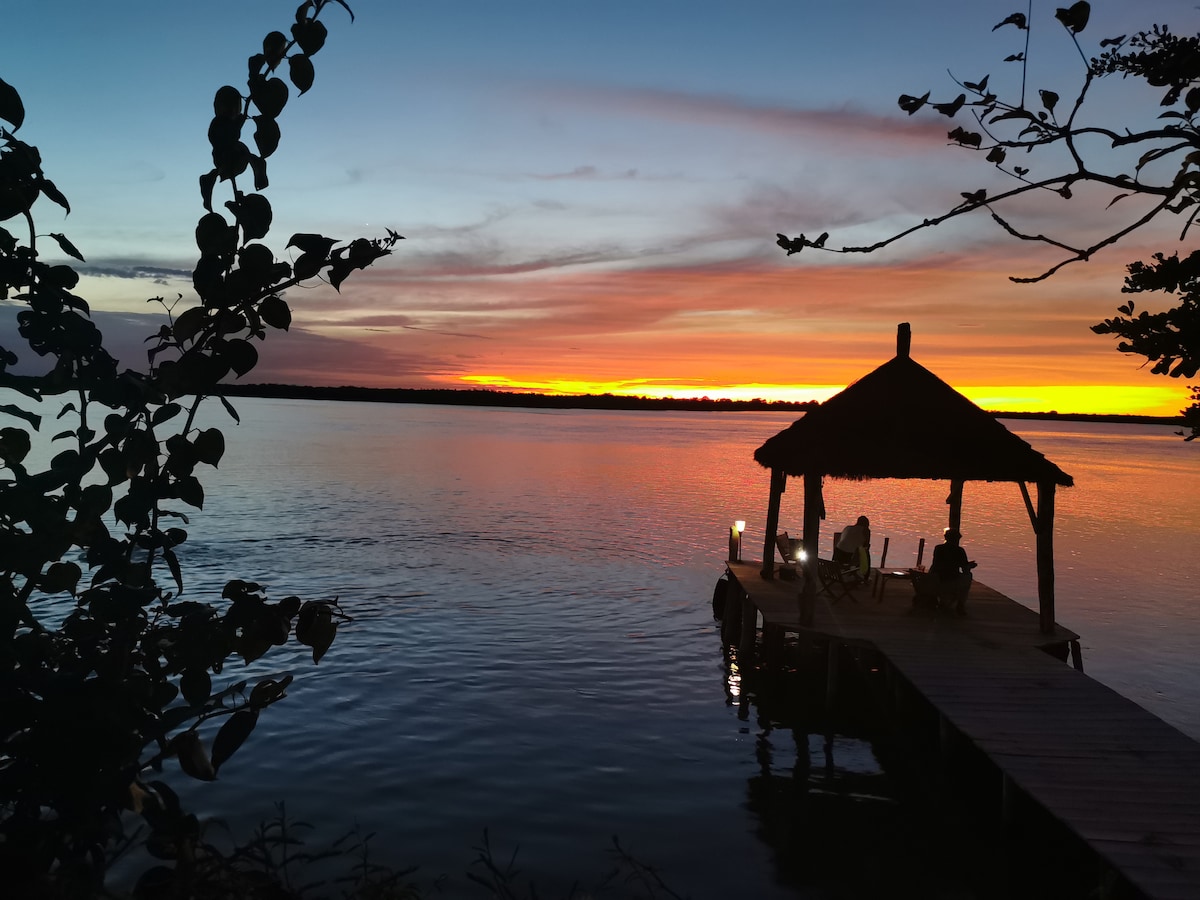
(1119, 777)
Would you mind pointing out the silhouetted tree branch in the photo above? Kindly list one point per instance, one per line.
(1168, 171)
(106, 676)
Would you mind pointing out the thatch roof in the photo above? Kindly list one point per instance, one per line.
(902, 421)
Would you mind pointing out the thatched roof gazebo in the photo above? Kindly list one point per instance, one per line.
(902, 421)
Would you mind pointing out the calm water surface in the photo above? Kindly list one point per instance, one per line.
(533, 650)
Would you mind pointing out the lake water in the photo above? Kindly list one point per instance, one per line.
(533, 650)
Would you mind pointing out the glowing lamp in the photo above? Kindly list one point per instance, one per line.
(735, 540)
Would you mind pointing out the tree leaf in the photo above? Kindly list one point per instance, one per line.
(274, 45)
(32, 418)
(1049, 99)
(270, 95)
(307, 265)
(322, 637)
(215, 236)
(165, 413)
(11, 108)
(227, 102)
(339, 271)
(312, 243)
(208, 181)
(300, 71)
(951, 108)
(190, 491)
(978, 87)
(52, 193)
(310, 34)
(173, 564)
(193, 758)
(315, 628)
(276, 312)
(1017, 19)
(966, 138)
(232, 735)
(1074, 18)
(266, 135)
(911, 104)
(258, 166)
(61, 576)
(210, 446)
(229, 408)
(268, 691)
(253, 214)
(1011, 114)
(231, 160)
(342, 3)
(241, 356)
(189, 323)
(195, 685)
(67, 247)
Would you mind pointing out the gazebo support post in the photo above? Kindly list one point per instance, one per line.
(778, 486)
(1045, 555)
(955, 502)
(813, 504)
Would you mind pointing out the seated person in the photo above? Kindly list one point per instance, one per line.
(853, 548)
(951, 571)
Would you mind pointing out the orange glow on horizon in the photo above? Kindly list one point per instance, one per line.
(1107, 399)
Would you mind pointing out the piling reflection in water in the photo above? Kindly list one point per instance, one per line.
(854, 798)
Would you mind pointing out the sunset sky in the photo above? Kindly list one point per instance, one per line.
(590, 192)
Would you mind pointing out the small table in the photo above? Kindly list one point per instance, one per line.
(882, 576)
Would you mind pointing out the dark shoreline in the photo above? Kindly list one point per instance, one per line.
(482, 397)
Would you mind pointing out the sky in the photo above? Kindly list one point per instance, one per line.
(590, 192)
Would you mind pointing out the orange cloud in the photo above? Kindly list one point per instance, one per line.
(749, 328)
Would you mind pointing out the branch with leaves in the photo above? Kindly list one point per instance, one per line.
(1167, 172)
(1002, 127)
(91, 704)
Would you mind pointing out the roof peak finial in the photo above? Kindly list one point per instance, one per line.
(903, 339)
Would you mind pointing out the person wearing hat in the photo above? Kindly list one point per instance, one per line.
(952, 570)
(853, 547)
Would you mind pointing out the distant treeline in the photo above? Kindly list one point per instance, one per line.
(483, 397)
(1128, 418)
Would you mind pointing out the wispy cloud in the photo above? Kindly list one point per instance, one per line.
(586, 173)
(134, 270)
(859, 131)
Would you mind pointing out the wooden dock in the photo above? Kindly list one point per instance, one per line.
(1117, 776)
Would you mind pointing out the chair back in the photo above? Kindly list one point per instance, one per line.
(784, 543)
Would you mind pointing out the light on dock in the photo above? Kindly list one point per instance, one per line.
(735, 540)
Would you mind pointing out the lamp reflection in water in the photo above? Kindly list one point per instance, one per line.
(735, 540)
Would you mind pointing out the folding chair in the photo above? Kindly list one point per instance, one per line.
(789, 549)
(833, 580)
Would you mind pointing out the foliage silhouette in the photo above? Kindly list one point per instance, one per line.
(1166, 176)
(108, 674)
